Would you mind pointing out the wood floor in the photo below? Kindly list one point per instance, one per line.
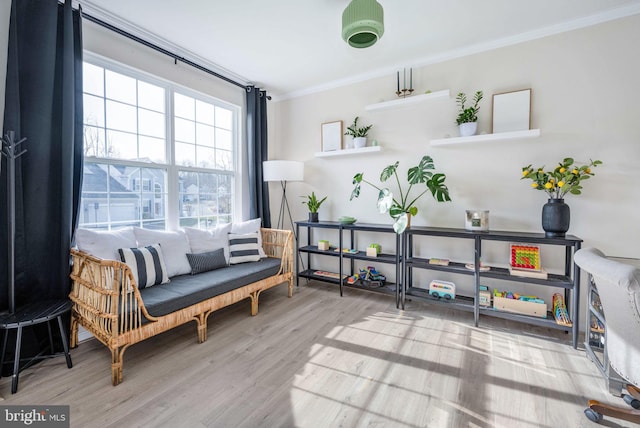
(319, 360)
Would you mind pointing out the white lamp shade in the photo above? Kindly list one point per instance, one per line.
(280, 170)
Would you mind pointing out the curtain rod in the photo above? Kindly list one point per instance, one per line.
(155, 47)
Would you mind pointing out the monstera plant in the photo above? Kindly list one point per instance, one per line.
(402, 206)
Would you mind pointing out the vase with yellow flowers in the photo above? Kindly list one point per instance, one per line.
(565, 178)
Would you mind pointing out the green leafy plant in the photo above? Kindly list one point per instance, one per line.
(355, 132)
(400, 208)
(469, 114)
(312, 202)
(564, 178)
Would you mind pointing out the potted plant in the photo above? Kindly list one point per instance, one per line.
(468, 116)
(359, 134)
(313, 203)
(402, 208)
(564, 178)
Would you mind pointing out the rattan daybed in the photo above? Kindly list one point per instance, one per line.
(107, 301)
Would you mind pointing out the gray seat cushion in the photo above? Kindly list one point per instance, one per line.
(186, 290)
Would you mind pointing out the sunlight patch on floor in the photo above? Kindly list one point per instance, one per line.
(351, 373)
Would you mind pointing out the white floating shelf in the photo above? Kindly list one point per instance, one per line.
(515, 135)
(348, 152)
(401, 102)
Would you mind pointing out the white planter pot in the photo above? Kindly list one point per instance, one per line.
(468, 129)
(359, 142)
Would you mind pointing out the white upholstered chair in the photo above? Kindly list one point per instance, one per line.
(619, 289)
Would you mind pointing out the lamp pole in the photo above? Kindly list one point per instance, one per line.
(283, 171)
(284, 204)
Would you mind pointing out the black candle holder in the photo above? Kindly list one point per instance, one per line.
(403, 93)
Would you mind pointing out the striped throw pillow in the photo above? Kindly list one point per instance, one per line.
(243, 248)
(146, 264)
(204, 262)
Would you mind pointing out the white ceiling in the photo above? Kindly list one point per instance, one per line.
(293, 47)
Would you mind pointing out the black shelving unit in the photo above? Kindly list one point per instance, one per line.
(405, 263)
(350, 230)
(569, 281)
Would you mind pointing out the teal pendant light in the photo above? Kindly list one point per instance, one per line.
(362, 23)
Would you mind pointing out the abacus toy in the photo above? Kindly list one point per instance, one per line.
(525, 257)
(560, 311)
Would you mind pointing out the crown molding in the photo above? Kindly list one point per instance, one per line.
(564, 27)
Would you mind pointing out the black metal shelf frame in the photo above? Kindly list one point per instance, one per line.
(465, 303)
(405, 262)
(308, 249)
(569, 281)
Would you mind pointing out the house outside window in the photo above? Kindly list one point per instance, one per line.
(141, 184)
(157, 155)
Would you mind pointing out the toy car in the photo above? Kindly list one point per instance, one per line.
(442, 289)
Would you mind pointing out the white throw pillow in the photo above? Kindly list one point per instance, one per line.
(204, 241)
(250, 226)
(174, 247)
(105, 243)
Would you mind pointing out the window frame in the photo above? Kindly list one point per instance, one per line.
(172, 215)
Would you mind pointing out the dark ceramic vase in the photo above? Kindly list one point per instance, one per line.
(313, 217)
(555, 218)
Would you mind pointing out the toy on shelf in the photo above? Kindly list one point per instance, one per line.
(525, 257)
(323, 245)
(516, 296)
(353, 279)
(442, 289)
(482, 268)
(525, 262)
(373, 250)
(347, 250)
(327, 274)
(560, 311)
(369, 277)
(485, 296)
(519, 304)
(377, 247)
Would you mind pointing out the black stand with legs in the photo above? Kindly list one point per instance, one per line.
(33, 313)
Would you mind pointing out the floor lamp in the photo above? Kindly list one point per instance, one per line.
(283, 171)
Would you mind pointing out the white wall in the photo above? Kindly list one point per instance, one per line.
(585, 85)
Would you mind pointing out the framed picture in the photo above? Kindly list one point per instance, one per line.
(512, 111)
(331, 136)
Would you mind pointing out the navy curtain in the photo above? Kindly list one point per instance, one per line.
(257, 153)
(43, 104)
